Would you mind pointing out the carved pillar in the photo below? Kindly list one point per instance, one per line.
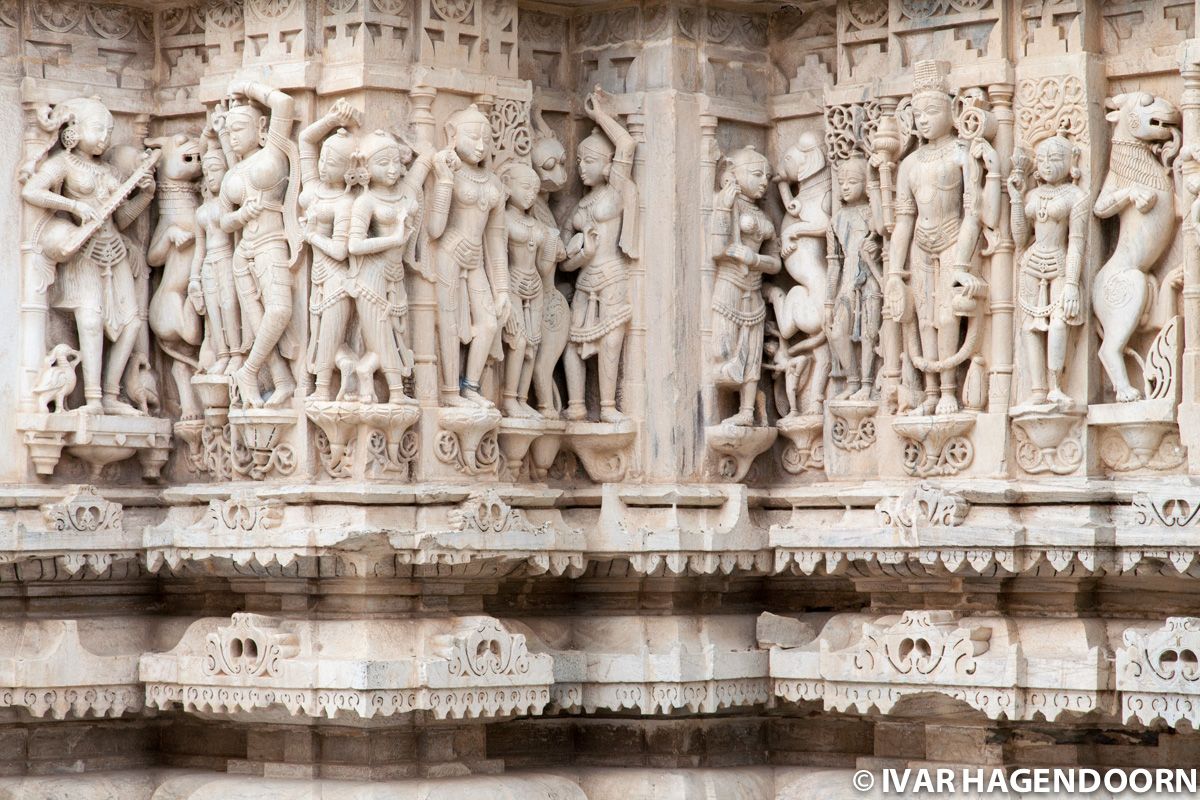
(889, 335)
(35, 306)
(1189, 411)
(1001, 279)
(422, 303)
(634, 384)
(709, 154)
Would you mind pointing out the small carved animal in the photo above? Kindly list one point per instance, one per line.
(142, 386)
(57, 378)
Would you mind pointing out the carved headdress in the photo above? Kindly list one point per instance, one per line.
(929, 78)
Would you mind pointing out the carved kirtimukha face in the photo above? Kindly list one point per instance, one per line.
(852, 181)
(932, 115)
(1054, 160)
(245, 126)
(523, 185)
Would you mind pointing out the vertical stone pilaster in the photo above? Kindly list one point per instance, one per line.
(1189, 408)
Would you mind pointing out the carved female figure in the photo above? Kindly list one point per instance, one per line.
(383, 221)
(1048, 292)
(605, 236)
(466, 219)
(326, 203)
(95, 280)
(740, 229)
(533, 251)
(854, 304)
(210, 286)
(258, 200)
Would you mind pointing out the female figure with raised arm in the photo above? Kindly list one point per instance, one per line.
(95, 280)
(383, 223)
(1048, 284)
(533, 251)
(740, 230)
(466, 220)
(210, 286)
(326, 202)
(605, 226)
(258, 201)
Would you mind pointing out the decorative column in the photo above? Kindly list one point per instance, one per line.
(1000, 282)
(1189, 407)
(422, 303)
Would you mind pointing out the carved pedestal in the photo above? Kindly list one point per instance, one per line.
(259, 442)
(604, 448)
(466, 439)
(363, 440)
(96, 439)
(517, 438)
(1048, 441)
(736, 446)
(805, 449)
(850, 437)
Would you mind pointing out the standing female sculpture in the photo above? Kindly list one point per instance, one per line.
(466, 220)
(210, 286)
(533, 251)
(1049, 290)
(95, 280)
(326, 203)
(740, 229)
(383, 221)
(605, 225)
(854, 304)
(258, 199)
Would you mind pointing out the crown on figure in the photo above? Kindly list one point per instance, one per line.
(930, 77)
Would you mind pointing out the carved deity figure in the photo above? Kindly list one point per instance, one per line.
(799, 309)
(95, 268)
(603, 237)
(466, 220)
(1139, 190)
(1051, 268)
(549, 159)
(854, 302)
(176, 323)
(740, 229)
(942, 205)
(533, 251)
(325, 203)
(210, 283)
(382, 227)
(258, 202)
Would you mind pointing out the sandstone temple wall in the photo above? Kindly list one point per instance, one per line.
(491, 398)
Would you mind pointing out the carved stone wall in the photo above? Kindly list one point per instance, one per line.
(498, 398)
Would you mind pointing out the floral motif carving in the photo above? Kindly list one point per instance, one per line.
(251, 646)
(921, 507)
(453, 10)
(84, 511)
(922, 643)
(1052, 105)
(867, 14)
(485, 511)
(244, 512)
(1158, 673)
(224, 14)
(1168, 510)
(488, 650)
